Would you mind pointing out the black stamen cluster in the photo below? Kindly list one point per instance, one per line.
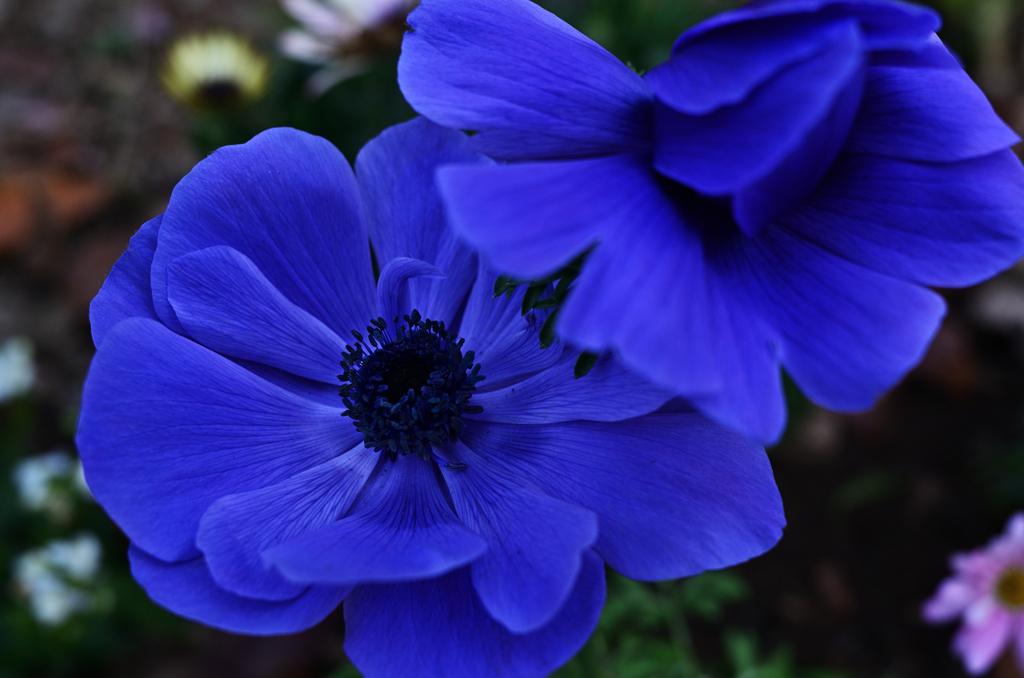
(407, 394)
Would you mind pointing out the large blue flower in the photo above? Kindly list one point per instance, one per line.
(473, 542)
(780, 192)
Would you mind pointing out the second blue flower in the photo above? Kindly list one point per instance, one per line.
(781, 192)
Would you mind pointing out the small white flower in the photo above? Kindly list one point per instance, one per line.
(51, 482)
(17, 369)
(78, 558)
(57, 578)
(34, 477)
(338, 34)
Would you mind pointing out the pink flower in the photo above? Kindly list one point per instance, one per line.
(988, 592)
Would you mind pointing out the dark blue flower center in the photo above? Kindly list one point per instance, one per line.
(713, 216)
(407, 394)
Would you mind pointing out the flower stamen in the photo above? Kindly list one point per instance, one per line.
(1010, 588)
(407, 394)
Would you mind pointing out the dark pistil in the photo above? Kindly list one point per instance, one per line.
(407, 394)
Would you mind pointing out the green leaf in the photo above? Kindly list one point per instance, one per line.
(547, 330)
(532, 295)
(563, 285)
(505, 285)
(741, 648)
(584, 364)
(500, 285)
(346, 671)
(707, 595)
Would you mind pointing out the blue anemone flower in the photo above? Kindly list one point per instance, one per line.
(461, 494)
(780, 192)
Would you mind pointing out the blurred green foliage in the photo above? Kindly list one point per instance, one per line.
(348, 115)
(645, 632)
(86, 641)
(640, 32)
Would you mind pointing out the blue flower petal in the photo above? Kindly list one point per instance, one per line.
(750, 398)
(530, 219)
(723, 67)
(517, 358)
(225, 303)
(400, 529)
(168, 427)
(489, 321)
(609, 392)
(393, 293)
(728, 150)
(642, 290)
(793, 179)
(404, 214)
(441, 628)
(947, 225)
(533, 86)
(884, 24)
(933, 54)
(126, 292)
(674, 493)
(324, 393)
(505, 342)
(289, 202)
(237, 528)
(535, 542)
(930, 114)
(845, 333)
(186, 588)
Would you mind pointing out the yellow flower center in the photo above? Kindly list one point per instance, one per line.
(1010, 588)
